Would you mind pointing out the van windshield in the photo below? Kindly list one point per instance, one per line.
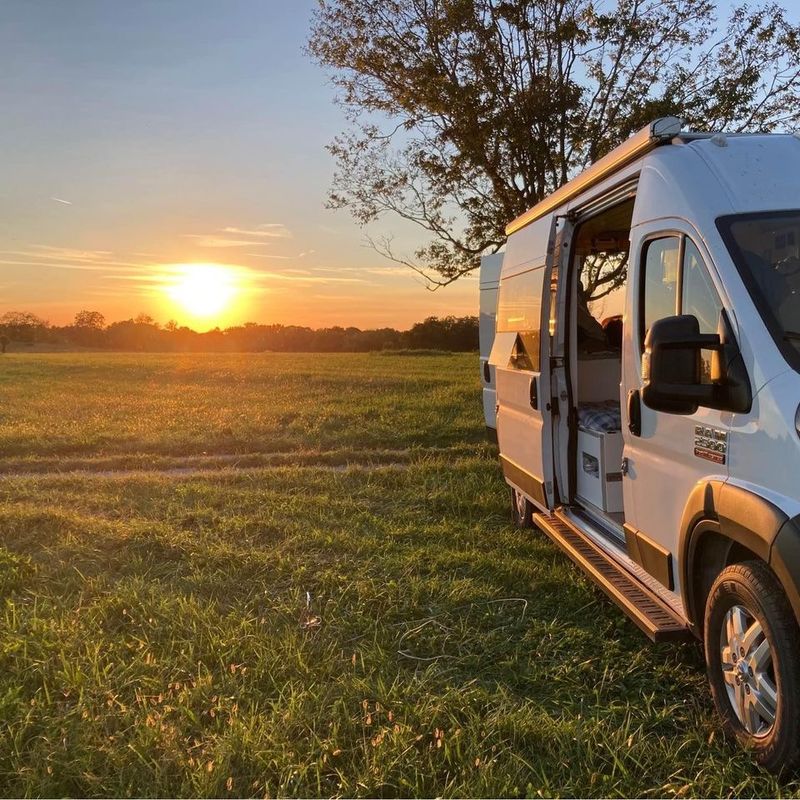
(766, 250)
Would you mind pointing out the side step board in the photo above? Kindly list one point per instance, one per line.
(646, 609)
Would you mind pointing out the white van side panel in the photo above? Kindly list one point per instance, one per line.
(528, 247)
(489, 281)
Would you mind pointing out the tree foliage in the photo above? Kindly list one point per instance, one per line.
(464, 113)
(22, 326)
(93, 320)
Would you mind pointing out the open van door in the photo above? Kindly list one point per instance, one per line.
(521, 359)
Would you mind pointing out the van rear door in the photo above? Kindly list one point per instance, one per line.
(521, 359)
(489, 281)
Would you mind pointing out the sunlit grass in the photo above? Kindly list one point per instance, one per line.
(156, 638)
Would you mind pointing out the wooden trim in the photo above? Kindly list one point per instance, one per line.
(650, 556)
(529, 484)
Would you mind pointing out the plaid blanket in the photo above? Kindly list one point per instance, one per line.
(604, 416)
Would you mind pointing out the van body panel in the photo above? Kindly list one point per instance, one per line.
(742, 514)
(527, 248)
(767, 437)
(489, 281)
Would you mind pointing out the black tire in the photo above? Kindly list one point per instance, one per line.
(752, 647)
(521, 510)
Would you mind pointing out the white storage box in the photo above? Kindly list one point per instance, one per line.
(599, 463)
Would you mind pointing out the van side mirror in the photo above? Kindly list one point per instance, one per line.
(671, 368)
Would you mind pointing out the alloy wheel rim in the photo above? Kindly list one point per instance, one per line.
(748, 670)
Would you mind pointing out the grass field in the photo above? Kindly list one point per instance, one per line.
(163, 521)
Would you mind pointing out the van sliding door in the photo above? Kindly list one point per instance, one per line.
(521, 358)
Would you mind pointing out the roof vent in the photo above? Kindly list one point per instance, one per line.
(719, 140)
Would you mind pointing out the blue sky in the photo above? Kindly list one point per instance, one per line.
(141, 134)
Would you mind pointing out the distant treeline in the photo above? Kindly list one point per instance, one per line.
(19, 329)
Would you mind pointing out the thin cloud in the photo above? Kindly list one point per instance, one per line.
(62, 200)
(209, 240)
(303, 254)
(268, 255)
(119, 267)
(269, 230)
(70, 252)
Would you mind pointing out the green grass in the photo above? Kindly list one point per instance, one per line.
(162, 520)
(90, 405)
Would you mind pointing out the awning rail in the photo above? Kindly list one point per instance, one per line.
(661, 131)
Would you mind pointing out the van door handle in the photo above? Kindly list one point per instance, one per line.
(534, 395)
(635, 412)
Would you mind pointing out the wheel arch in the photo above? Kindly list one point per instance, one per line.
(724, 524)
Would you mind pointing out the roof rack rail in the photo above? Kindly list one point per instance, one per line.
(658, 132)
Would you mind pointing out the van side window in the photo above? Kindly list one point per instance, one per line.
(660, 295)
(519, 310)
(699, 298)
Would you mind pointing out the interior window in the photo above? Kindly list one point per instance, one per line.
(660, 294)
(601, 254)
(699, 298)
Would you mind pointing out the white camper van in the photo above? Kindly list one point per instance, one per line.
(647, 363)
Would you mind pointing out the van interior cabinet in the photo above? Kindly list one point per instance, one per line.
(599, 477)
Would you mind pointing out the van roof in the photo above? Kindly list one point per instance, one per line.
(745, 156)
(756, 172)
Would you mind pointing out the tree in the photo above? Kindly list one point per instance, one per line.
(88, 329)
(464, 113)
(22, 326)
(92, 320)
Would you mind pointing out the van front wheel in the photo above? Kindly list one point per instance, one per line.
(521, 509)
(753, 661)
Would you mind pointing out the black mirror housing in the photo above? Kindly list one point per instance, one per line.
(671, 368)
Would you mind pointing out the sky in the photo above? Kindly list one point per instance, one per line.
(139, 137)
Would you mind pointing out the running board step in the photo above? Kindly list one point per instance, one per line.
(646, 609)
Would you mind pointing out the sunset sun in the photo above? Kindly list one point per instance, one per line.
(203, 291)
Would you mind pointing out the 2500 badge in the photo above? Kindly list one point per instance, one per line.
(711, 444)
